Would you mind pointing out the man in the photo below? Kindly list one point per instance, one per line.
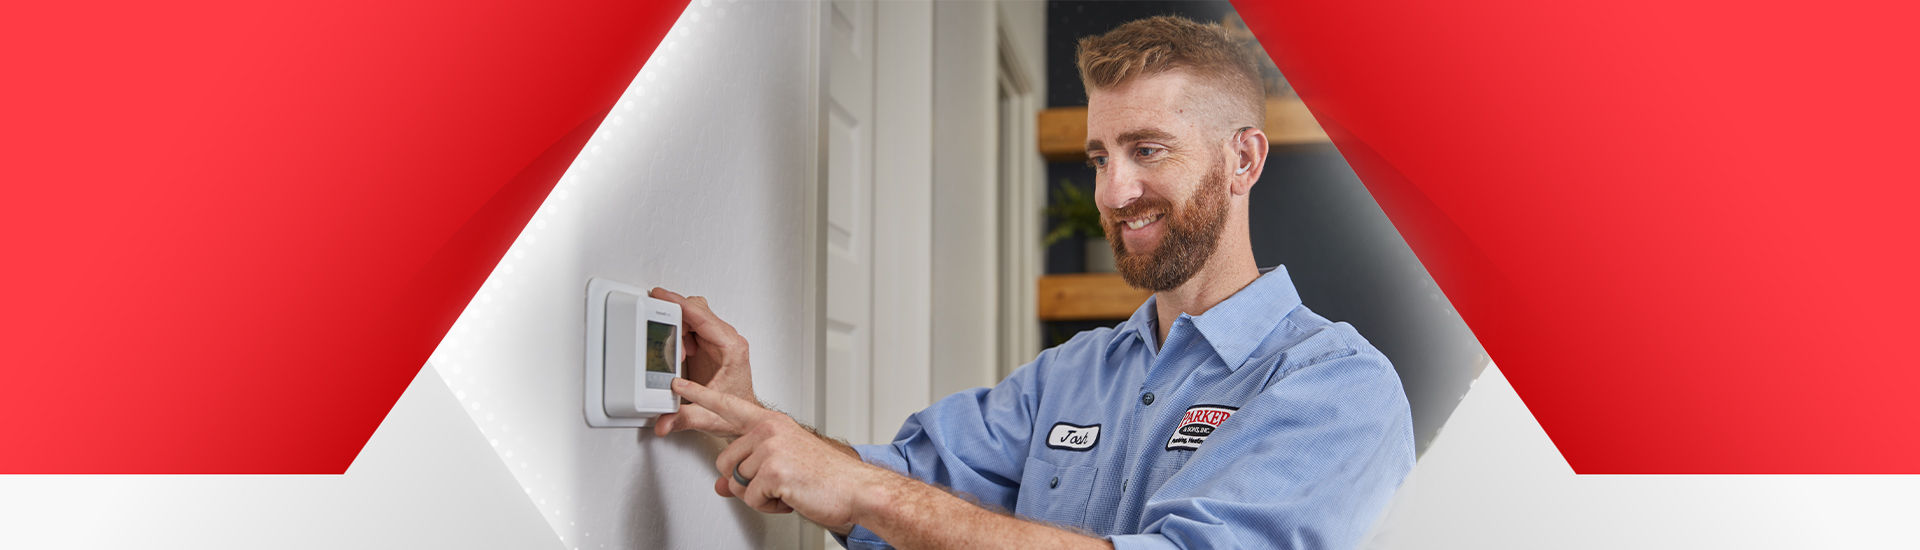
(1224, 414)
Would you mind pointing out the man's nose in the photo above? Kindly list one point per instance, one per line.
(1118, 187)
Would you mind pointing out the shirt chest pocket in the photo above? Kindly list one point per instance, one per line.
(1056, 494)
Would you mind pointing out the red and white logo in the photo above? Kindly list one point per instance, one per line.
(1199, 422)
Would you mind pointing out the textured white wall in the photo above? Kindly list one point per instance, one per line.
(1493, 480)
(696, 182)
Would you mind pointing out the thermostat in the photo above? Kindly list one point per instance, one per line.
(632, 355)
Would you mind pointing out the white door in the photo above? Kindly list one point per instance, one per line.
(876, 119)
(847, 115)
(902, 214)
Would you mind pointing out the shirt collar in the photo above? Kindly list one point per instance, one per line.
(1138, 328)
(1235, 326)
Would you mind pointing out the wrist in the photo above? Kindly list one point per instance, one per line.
(741, 391)
(880, 496)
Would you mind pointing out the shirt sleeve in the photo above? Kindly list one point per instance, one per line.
(973, 442)
(1308, 463)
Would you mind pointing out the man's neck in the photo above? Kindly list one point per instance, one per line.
(1224, 276)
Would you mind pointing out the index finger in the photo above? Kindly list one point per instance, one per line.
(730, 408)
(697, 316)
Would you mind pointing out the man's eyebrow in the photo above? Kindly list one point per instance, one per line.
(1132, 136)
(1145, 134)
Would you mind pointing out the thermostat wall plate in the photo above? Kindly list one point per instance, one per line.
(632, 355)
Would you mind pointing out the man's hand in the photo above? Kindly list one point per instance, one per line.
(788, 467)
(716, 356)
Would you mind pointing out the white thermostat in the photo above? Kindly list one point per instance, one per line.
(632, 355)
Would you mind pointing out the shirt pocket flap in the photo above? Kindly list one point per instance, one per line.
(1056, 494)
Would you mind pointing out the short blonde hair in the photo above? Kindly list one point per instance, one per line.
(1159, 44)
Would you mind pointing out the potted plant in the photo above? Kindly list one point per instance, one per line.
(1074, 215)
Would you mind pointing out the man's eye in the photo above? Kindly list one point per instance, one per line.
(1146, 152)
(1097, 163)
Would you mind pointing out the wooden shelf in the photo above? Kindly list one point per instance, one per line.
(1062, 131)
(1088, 297)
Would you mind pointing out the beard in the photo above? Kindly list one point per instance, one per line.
(1191, 235)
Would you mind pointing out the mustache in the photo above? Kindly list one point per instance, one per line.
(1137, 209)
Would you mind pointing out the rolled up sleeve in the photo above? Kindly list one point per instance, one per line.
(973, 442)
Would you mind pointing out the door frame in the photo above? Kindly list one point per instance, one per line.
(1022, 200)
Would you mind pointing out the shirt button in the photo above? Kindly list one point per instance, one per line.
(1054, 483)
(1147, 399)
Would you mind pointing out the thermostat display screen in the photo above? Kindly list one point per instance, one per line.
(660, 347)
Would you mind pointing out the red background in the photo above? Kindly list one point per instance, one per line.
(234, 230)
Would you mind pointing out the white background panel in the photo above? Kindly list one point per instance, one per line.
(1494, 480)
(426, 479)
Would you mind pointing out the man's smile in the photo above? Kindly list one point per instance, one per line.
(1142, 221)
(1141, 233)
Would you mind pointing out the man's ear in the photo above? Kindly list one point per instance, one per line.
(1250, 158)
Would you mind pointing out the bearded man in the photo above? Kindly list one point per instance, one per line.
(1223, 414)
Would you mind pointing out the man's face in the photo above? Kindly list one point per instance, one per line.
(1161, 178)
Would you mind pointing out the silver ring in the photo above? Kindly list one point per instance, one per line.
(737, 478)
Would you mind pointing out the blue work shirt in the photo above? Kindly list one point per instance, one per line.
(1258, 424)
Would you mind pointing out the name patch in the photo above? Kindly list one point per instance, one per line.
(1199, 422)
(1068, 437)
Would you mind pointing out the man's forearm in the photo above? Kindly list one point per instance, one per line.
(837, 443)
(914, 515)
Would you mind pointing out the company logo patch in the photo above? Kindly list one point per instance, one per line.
(1068, 437)
(1199, 422)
